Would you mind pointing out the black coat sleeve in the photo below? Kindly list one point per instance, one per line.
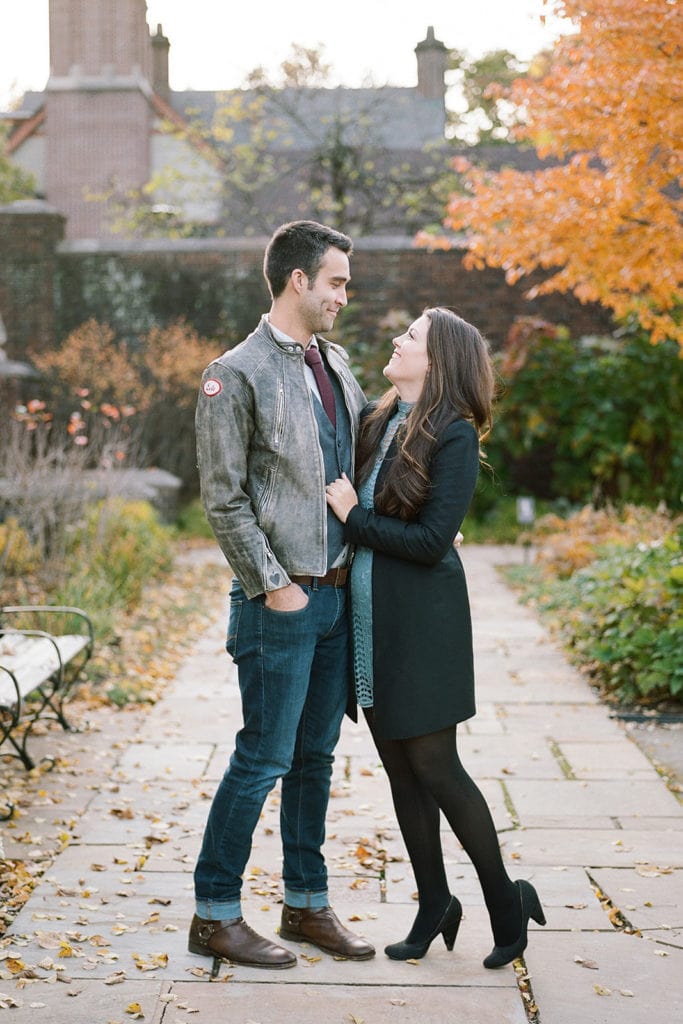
(453, 476)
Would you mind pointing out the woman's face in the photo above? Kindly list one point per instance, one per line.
(409, 363)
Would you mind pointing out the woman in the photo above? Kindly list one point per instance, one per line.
(417, 466)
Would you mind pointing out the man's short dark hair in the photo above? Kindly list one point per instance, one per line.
(300, 245)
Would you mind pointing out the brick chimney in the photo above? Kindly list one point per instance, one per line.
(90, 38)
(98, 117)
(432, 60)
(160, 48)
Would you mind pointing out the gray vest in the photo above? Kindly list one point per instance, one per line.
(336, 449)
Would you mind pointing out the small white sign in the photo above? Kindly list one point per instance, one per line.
(526, 510)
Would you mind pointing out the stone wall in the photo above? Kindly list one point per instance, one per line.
(30, 232)
(399, 276)
(48, 286)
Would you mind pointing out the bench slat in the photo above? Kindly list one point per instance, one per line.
(33, 660)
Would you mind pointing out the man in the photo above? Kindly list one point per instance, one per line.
(272, 432)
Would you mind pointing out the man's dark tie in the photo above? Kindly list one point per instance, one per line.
(314, 360)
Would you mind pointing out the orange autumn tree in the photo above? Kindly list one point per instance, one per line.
(605, 218)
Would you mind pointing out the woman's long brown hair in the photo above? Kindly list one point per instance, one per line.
(459, 385)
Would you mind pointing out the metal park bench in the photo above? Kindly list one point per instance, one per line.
(38, 668)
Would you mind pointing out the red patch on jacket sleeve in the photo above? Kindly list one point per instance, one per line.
(212, 387)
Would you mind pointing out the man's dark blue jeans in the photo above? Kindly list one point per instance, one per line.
(293, 671)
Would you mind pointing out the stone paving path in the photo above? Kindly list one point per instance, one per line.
(580, 811)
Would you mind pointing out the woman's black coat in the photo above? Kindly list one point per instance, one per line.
(422, 631)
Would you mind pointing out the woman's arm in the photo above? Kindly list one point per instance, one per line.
(453, 476)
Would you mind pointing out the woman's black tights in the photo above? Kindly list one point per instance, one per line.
(426, 776)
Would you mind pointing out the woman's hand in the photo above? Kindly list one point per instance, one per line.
(341, 497)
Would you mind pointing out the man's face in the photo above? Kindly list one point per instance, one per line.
(326, 294)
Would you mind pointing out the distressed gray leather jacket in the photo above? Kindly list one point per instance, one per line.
(260, 463)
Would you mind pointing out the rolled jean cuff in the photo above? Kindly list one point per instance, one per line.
(218, 910)
(306, 900)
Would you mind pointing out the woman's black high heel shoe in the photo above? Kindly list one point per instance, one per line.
(531, 907)
(447, 926)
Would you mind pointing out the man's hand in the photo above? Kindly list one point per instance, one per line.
(287, 599)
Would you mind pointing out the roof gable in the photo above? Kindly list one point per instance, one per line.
(390, 117)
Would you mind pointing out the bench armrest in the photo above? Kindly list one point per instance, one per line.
(41, 609)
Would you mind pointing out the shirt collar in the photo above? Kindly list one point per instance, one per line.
(286, 338)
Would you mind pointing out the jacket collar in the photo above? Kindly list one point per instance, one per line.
(294, 347)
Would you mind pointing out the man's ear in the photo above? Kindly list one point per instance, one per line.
(299, 281)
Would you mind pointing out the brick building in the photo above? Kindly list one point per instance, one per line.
(101, 126)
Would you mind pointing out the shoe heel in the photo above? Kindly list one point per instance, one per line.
(536, 912)
(194, 947)
(534, 907)
(450, 934)
(531, 908)
(447, 926)
(450, 931)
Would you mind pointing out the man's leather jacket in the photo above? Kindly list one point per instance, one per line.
(260, 463)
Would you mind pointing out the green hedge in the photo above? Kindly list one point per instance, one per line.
(590, 420)
(621, 617)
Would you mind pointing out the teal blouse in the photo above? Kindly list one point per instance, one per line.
(361, 574)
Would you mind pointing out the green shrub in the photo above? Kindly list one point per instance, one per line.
(621, 615)
(18, 554)
(91, 590)
(589, 420)
(566, 543)
(192, 522)
(119, 547)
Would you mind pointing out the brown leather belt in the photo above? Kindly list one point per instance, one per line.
(333, 578)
